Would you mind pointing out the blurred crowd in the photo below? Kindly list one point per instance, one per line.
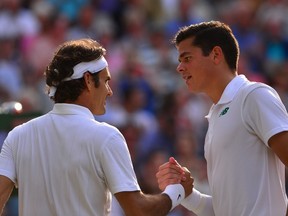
(151, 104)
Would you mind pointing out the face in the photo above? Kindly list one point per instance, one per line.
(101, 93)
(194, 67)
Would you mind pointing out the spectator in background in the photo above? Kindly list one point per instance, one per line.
(53, 33)
(189, 155)
(17, 22)
(164, 136)
(10, 71)
(68, 8)
(279, 81)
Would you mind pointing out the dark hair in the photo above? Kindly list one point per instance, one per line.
(65, 58)
(207, 35)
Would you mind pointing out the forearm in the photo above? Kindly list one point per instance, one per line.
(155, 205)
(3, 200)
(163, 203)
(138, 203)
(198, 203)
(6, 188)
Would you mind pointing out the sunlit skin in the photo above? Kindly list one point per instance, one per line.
(193, 66)
(95, 98)
(171, 173)
(6, 187)
(207, 74)
(101, 93)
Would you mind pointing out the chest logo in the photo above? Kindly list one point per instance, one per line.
(224, 111)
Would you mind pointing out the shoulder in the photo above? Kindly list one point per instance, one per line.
(257, 90)
(263, 98)
(260, 97)
(102, 131)
(105, 127)
(250, 86)
(23, 125)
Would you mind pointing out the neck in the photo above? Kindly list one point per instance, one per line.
(216, 90)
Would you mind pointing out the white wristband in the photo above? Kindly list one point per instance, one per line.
(200, 204)
(176, 193)
(192, 202)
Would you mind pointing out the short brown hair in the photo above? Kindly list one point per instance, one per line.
(65, 58)
(207, 35)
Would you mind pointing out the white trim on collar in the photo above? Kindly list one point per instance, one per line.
(232, 88)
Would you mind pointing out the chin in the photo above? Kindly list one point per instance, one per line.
(192, 90)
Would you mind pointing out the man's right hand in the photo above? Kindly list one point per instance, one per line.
(172, 173)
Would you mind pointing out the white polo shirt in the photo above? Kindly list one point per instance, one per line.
(245, 176)
(66, 163)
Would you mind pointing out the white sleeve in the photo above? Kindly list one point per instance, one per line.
(7, 164)
(117, 165)
(264, 113)
(200, 204)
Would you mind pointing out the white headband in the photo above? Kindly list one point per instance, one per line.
(93, 66)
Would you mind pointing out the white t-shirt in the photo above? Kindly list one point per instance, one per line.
(246, 178)
(66, 163)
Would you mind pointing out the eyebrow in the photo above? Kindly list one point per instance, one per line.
(183, 55)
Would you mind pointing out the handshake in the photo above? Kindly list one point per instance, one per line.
(176, 181)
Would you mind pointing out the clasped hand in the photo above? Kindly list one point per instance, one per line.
(172, 172)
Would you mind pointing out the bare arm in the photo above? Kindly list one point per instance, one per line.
(279, 144)
(169, 173)
(6, 187)
(138, 203)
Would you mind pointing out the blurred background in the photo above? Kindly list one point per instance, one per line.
(151, 104)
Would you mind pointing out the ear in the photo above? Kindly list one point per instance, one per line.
(88, 80)
(217, 54)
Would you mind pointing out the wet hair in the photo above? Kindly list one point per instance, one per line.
(65, 58)
(207, 35)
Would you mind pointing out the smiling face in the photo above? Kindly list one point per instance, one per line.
(100, 93)
(195, 68)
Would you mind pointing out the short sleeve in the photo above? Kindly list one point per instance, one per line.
(264, 113)
(117, 165)
(7, 164)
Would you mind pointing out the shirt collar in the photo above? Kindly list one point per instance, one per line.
(71, 109)
(232, 88)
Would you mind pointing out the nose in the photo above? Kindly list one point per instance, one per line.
(180, 68)
(110, 92)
